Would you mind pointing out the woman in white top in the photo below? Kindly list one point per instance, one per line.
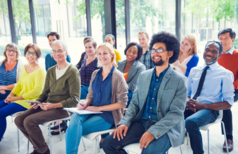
(188, 55)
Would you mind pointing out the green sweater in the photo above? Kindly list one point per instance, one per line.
(63, 90)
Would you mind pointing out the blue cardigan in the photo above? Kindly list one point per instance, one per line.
(192, 63)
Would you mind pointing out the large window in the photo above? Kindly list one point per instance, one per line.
(21, 14)
(151, 16)
(5, 35)
(204, 19)
(120, 25)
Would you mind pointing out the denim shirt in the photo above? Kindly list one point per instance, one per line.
(150, 110)
(102, 94)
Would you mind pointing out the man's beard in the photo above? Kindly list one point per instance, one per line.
(159, 63)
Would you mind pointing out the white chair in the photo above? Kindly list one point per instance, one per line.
(95, 136)
(48, 124)
(206, 128)
(18, 141)
(135, 148)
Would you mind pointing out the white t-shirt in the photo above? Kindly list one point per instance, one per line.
(60, 73)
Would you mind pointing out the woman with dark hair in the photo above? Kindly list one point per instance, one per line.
(111, 40)
(10, 69)
(29, 87)
(131, 67)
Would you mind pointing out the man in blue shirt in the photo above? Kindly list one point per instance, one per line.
(154, 117)
(210, 89)
(49, 60)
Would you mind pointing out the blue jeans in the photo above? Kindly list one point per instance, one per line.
(6, 110)
(82, 125)
(193, 121)
(129, 94)
(84, 92)
(4, 96)
(134, 133)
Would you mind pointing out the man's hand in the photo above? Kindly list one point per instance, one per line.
(145, 140)
(46, 106)
(194, 105)
(120, 132)
(93, 108)
(34, 105)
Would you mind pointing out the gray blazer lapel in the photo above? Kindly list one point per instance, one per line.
(144, 88)
(121, 65)
(162, 85)
(132, 71)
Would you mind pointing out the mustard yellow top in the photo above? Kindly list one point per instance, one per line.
(118, 56)
(29, 86)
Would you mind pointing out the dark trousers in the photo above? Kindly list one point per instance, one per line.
(134, 133)
(227, 119)
(4, 96)
(28, 122)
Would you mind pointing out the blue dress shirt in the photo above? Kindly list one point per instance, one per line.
(102, 94)
(150, 110)
(217, 86)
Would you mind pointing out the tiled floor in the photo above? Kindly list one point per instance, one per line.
(9, 143)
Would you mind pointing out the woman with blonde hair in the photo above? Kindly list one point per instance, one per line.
(188, 57)
(10, 69)
(107, 93)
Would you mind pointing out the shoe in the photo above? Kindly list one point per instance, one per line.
(62, 125)
(230, 145)
(62, 130)
(34, 152)
(47, 152)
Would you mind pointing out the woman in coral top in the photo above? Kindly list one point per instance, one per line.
(29, 87)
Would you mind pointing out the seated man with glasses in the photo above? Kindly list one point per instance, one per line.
(61, 89)
(155, 115)
(210, 89)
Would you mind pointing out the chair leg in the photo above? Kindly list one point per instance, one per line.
(187, 138)
(208, 141)
(28, 146)
(59, 131)
(50, 146)
(12, 118)
(224, 130)
(18, 142)
(181, 149)
(96, 145)
(83, 144)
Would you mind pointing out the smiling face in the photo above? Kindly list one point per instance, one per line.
(51, 40)
(132, 53)
(211, 53)
(185, 46)
(104, 55)
(143, 40)
(89, 49)
(227, 41)
(109, 39)
(11, 53)
(59, 54)
(31, 56)
(161, 58)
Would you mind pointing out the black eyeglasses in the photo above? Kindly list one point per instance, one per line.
(157, 50)
(8, 50)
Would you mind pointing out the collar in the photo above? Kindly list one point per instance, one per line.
(212, 66)
(162, 73)
(230, 51)
(113, 67)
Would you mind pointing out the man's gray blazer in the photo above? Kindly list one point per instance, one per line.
(135, 70)
(171, 101)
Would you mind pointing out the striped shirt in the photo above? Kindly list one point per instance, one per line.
(86, 71)
(147, 60)
(9, 77)
(150, 110)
